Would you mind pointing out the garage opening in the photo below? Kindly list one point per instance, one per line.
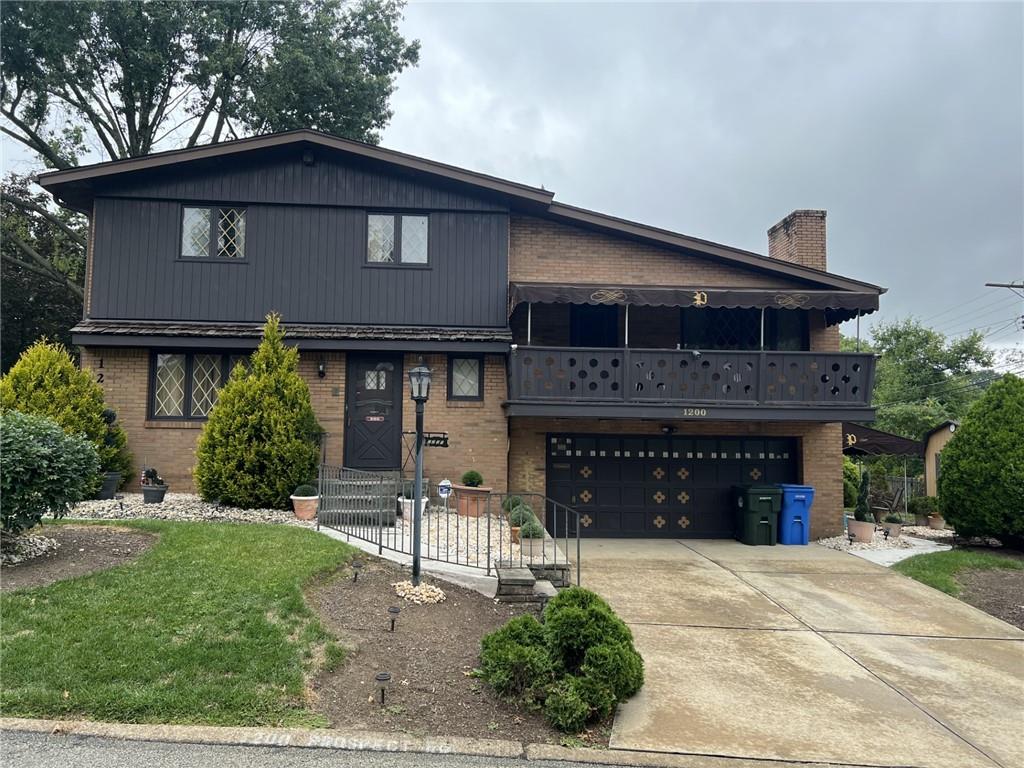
(658, 486)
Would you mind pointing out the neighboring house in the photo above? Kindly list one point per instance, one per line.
(631, 372)
(934, 441)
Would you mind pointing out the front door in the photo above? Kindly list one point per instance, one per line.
(373, 412)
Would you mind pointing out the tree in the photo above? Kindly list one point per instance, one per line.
(43, 262)
(262, 438)
(981, 485)
(45, 381)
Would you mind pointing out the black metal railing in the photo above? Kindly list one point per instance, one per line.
(628, 375)
(458, 527)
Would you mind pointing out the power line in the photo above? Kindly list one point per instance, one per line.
(999, 306)
(954, 390)
(958, 306)
(983, 328)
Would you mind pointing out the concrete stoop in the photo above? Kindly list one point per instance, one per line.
(519, 585)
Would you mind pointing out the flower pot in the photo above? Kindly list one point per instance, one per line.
(894, 529)
(305, 506)
(515, 533)
(111, 481)
(862, 532)
(938, 522)
(407, 510)
(532, 548)
(153, 494)
(921, 520)
(470, 501)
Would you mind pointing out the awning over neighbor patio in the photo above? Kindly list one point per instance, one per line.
(859, 440)
(839, 306)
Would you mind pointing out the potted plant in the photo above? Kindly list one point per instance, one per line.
(471, 496)
(519, 517)
(893, 525)
(862, 527)
(936, 521)
(921, 507)
(153, 486)
(304, 501)
(111, 479)
(531, 537)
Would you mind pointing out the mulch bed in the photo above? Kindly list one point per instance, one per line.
(430, 656)
(83, 549)
(997, 592)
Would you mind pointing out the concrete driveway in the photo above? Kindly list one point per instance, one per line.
(806, 654)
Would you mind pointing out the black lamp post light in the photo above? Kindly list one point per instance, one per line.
(393, 612)
(383, 680)
(419, 388)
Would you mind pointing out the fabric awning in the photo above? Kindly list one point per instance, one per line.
(839, 306)
(859, 440)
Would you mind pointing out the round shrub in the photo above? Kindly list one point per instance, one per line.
(472, 479)
(981, 486)
(305, 490)
(42, 469)
(520, 515)
(574, 597)
(598, 695)
(618, 665)
(511, 502)
(577, 622)
(923, 505)
(45, 381)
(262, 438)
(514, 659)
(531, 529)
(565, 707)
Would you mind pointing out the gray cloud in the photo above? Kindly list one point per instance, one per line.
(906, 122)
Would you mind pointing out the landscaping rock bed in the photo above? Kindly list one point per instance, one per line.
(182, 507)
(879, 541)
(18, 549)
(944, 536)
(78, 550)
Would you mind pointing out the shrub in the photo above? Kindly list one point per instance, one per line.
(511, 502)
(923, 505)
(618, 665)
(514, 659)
(892, 519)
(46, 382)
(862, 513)
(598, 695)
(565, 707)
(981, 486)
(42, 469)
(521, 515)
(531, 529)
(151, 476)
(472, 479)
(305, 490)
(576, 623)
(851, 476)
(261, 439)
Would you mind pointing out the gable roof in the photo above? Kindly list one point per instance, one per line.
(74, 185)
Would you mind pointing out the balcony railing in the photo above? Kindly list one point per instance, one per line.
(652, 376)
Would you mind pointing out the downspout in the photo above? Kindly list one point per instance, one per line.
(529, 323)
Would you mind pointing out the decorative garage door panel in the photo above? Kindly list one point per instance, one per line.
(676, 487)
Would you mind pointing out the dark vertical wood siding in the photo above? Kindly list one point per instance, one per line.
(305, 261)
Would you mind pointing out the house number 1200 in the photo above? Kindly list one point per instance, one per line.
(695, 411)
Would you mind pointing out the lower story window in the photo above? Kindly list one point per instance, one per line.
(184, 385)
(465, 378)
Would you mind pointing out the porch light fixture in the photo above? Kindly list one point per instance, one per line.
(393, 612)
(321, 368)
(668, 429)
(383, 680)
(419, 388)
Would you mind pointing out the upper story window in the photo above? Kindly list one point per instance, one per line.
(212, 233)
(396, 239)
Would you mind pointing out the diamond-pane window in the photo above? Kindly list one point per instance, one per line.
(414, 239)
(376, 380)
(206, 375)
(464, 382)
(380, 240)
(231, 233)
(195, 233)
(169, 393)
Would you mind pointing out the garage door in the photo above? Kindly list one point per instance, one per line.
(675, 487)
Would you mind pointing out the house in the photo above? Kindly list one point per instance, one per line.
(934, 441)
(633, 373)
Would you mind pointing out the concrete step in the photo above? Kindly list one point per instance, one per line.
(544, 590)
(516, 577)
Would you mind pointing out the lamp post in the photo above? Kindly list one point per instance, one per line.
(419, 387)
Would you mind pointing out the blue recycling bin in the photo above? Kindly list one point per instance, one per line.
(795, 517)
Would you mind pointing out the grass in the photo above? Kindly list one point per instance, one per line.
(209, 626)
(939, 569)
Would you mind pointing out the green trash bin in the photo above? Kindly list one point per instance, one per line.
(757, 513)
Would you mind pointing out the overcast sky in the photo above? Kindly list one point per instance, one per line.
(904, 122)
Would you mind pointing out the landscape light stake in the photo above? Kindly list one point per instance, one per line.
(357, 566)
(419, 389)
(393, 612)
(383, 680)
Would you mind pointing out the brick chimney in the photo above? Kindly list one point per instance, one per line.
(800, 238)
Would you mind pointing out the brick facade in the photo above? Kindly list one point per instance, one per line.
(799, 238)
(478, 437)
(820, 445)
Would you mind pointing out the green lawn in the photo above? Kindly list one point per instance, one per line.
(939, 569)
(209, 626)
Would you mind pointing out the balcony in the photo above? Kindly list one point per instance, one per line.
(659, 383)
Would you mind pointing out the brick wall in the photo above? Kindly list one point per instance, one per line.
(478, 437)
(799, 238)
(820, 446)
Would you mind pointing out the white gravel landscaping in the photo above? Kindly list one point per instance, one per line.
(879, 541)
(183, 507)
(933, 534)
(21, 548)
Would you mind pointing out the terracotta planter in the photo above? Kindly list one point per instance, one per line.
(471, 502)
(937, 522)
(863, 532)
(515, 533)
(894, 529)
(921, 520)
(305, 506)
(153, 494)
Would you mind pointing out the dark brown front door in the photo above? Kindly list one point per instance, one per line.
(373, 412)
(647, 486)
